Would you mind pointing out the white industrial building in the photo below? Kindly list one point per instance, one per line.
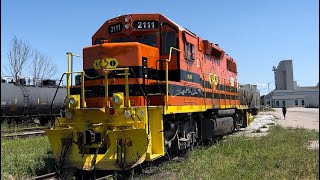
(287, 93)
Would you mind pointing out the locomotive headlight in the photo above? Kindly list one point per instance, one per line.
(116, 99)
(126, 19)
(127, 26)
(72, 101)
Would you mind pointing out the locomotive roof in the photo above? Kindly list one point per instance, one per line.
(176, 24)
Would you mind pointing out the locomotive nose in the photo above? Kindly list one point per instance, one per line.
(115, 149)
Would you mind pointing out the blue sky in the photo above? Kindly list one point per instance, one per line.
(258, 34)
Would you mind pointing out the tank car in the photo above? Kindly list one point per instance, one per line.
(148, 87)
(21, 102)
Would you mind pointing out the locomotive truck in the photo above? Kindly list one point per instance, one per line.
(148, 87)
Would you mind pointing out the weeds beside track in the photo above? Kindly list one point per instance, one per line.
(283, 154)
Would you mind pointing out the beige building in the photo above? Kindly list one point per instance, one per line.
(287, 93)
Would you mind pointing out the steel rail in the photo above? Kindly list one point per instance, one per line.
(45, 176)
(23, 134)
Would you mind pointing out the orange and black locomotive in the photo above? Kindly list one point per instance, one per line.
(148, 87)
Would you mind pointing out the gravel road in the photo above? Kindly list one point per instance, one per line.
(297, 117)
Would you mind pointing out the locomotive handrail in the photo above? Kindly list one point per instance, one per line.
(126, 71)
(83, 103)
(167, 75)
(69, 82)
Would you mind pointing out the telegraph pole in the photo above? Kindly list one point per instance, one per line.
(270, 96)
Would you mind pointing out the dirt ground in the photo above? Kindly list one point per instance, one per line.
(297, 117)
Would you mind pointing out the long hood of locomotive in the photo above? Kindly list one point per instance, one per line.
(17, 100)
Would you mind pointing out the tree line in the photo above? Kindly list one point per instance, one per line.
(24, 61)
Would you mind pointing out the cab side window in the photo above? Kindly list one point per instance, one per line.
(169, 40)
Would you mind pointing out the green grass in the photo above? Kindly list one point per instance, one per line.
(15, 127)
(21, 158)
(5, 126)
(280, 155)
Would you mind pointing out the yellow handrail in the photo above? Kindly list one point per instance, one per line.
(126, 71)
(167, 75)
(82, 86)
(68, 73)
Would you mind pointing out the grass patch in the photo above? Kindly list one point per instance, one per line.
(22, 158)
(283, 154)
(5, 126)
(280, 155)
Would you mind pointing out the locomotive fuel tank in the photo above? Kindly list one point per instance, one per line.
(20, 100)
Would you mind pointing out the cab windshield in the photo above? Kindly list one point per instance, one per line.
(148, 39)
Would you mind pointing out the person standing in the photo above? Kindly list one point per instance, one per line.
(284, 111)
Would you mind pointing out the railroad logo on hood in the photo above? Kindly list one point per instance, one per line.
(105, 63)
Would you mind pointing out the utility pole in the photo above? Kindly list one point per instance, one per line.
(270, 95)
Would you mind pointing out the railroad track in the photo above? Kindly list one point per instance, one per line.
(55, 176)
(51, 176)
(16, 130)
(23, 133)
